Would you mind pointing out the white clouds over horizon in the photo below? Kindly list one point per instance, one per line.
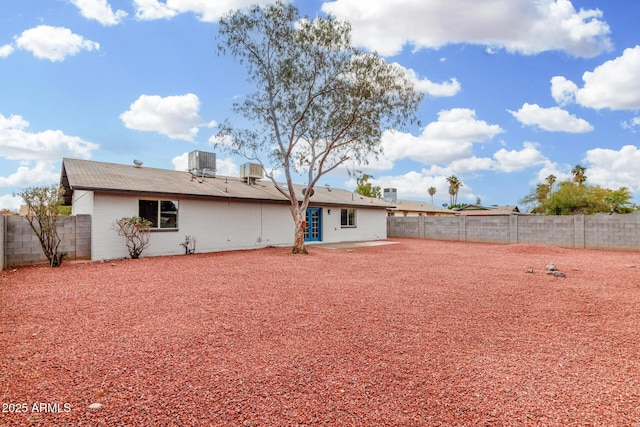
(38, 154)
(542, 26)
(52, 43)
(612, 85)
(517, 160)
(177, 117)
(413, 184)
(9, 201)
(42, 172)
(614, 168)
(17, 143)
(99, 10)
(552, 119)
(449, 138)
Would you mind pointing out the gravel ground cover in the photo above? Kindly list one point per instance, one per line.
(418, 333)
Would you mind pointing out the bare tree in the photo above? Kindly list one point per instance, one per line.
(136, 232)
(318, 102)
(44, 205)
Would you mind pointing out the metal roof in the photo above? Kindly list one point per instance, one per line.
(90, 175)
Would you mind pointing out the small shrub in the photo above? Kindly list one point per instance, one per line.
(189, 245)
(136, 232)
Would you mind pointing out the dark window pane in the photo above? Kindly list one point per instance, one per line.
(148, 209)
(168, 214)
(348, 217)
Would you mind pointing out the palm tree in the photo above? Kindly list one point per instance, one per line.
(452, 193)
(578, 172)
(542, 193)
(432, 192)
(454, 188)
(551, 179)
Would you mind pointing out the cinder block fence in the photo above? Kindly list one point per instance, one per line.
(579, 231)
(20, 246)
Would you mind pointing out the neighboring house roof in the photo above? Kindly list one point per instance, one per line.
(118, 178)
(487, 210)
(418, 206)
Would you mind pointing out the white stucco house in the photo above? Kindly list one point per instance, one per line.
(223, 213)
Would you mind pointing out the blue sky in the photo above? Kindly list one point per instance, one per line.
(514, 91)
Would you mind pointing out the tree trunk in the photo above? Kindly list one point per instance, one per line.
(298, 241)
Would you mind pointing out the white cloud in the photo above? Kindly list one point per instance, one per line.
(631, 124)
(517, 160)
(415, 184)
(613, 169)
(227, 167)
(449, 138)
(425, 85)
(542, 25)
(563, 90)
(153, 9)
(181, 162)
(552, 119)
(174, 116)
(410, 185)
(462, 166)
(8, 201)
(100, 10)
(53, 43)
(613, 85)
(381, 163)
(6, 50)
(551, 168)
(206, 10)
(42, 172)
(16, 143)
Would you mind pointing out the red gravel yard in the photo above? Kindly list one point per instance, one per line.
(417, 333)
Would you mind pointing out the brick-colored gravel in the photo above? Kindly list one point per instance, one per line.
(419, 333)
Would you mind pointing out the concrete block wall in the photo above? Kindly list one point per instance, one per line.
(441, 227)
(408, 227)
(578, 231)
(612, 232)
(3, 232)
(494, 229)
(22, 247)
(548, 230)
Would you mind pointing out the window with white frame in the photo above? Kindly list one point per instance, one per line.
(347, 218)
(162, 214)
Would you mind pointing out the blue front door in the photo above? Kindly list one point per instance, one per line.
(313, 232)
